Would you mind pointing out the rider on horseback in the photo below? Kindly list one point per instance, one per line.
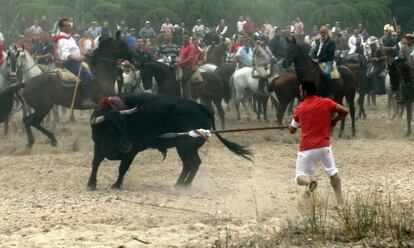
(71, 59)
(377, 60)
(262, 59)
(324, 52)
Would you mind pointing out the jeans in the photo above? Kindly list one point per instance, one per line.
(73, 66)
(328, 69)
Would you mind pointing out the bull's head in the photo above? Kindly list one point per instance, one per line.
(110, 132)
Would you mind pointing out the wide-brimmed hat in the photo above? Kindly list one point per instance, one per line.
(388, 27)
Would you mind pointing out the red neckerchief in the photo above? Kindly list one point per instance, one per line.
(60, 36)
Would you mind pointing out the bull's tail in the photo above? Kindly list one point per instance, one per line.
(7, 100)
(232, 146)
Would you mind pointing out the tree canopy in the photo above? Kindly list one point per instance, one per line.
(372, 13)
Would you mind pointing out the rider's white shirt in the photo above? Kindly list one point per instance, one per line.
(67, 47)
(1, 37)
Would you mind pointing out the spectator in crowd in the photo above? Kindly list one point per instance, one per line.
(183, 29)
(249, 27)
(77, 38)
(132, 38)
(142, 53)
(268, 30)
(167, 26)
(168, 49)
(314, 33)
(352, 40)
(35, 29)
(147, 31)
(199, 30)
(337, 29)
(106, 31)
(44, 52)
(94, 30)
(299, 33)
(44, 24)
(86, 44)
(11, 35)
(221, 29)
(240, 24)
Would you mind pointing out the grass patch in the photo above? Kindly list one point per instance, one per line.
(370, 219)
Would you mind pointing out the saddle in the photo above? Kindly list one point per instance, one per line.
(334, 73)
(196, 78)
(66, 78)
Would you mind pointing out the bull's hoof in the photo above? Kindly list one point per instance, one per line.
(116, 186)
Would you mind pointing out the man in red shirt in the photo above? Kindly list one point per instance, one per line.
(187, 61)
(249, 27)
(313, 116)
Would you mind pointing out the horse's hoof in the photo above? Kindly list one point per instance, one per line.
(54, 143)
(116, 186)
(91, 187)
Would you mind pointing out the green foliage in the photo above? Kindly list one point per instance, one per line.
(372, 13)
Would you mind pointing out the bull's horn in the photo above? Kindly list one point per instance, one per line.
(97, 120)
(129, 111)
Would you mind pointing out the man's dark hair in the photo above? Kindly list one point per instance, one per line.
(309, 86)
(62, 21)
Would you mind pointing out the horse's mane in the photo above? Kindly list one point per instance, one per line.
(163, 67)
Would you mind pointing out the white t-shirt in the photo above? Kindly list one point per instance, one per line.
(167, 27)
(240, 25)
(67, 47)
(1, 37)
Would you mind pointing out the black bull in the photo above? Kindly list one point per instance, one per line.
(121, 135)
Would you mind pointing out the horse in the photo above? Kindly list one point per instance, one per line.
(243, 86)
(286, 88)
(306, 69)
(216, 54)
(402, 71)
(210, 90)
(43, 91)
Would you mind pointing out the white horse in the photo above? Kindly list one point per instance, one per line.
(27, 65)
(244, 85)
(394, 109)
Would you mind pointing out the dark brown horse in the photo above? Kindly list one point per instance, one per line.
(43, 91)
(210, 91)
(306, 69)
(402, 78)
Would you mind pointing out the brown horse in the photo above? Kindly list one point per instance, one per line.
(402, 78)
(210, 91)
(306, 69)
(216, 54)
(286, 88)
(43, 91)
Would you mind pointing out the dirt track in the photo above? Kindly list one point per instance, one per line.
(44, 201)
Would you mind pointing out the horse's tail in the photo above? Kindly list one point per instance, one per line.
(232, 146)
(7, 100)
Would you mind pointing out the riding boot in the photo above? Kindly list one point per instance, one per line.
(86, 95)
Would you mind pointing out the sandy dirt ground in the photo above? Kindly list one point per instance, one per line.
(44, 201)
